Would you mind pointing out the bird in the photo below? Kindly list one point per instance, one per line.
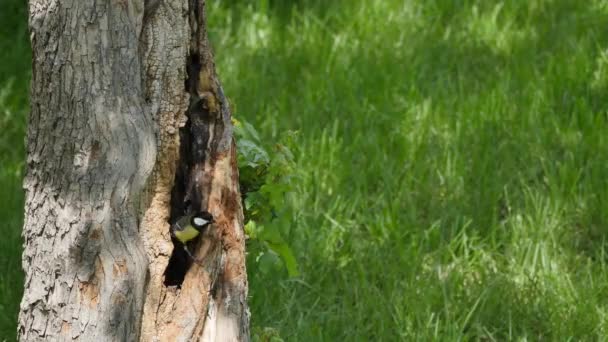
(188, 227)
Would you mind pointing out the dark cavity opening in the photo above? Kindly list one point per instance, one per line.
(186, 198)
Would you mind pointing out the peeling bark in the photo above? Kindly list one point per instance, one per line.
(118, 147)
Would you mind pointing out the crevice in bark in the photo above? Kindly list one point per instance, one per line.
(199, 139)
(183, 200)
(187, 301)
(187, 195)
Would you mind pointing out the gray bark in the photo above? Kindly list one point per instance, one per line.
(111, 125)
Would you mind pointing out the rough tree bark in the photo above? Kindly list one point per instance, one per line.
(129, 129)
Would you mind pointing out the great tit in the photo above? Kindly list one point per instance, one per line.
(188, 227)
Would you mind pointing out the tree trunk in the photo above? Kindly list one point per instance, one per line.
(117, 149)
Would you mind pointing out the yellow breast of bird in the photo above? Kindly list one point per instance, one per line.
(186, 234)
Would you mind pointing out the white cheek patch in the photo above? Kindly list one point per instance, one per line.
(200, 221)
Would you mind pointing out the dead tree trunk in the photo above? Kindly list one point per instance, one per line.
(129, 129)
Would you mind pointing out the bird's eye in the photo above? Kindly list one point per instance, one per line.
(199, 221)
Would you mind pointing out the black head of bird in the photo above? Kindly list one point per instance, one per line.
(201, 220)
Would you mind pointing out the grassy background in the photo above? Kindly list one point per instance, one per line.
(454, 181)
(14, 80)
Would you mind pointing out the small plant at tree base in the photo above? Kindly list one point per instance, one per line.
(266, 179)
(266, 334)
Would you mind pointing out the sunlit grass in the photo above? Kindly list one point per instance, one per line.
(452, 159)
(451, 151)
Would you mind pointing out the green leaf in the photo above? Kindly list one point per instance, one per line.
(268, 262)
(251, 229)
(251, 153)
(251, 131)
(272, 236)
(286, 254)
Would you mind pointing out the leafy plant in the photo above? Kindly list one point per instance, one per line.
(266, 179)
(266, 334)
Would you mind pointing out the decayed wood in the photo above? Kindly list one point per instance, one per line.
(111, 126)
(165, 45)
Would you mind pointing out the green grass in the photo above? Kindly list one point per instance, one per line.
(453, 176)
(14, 81)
